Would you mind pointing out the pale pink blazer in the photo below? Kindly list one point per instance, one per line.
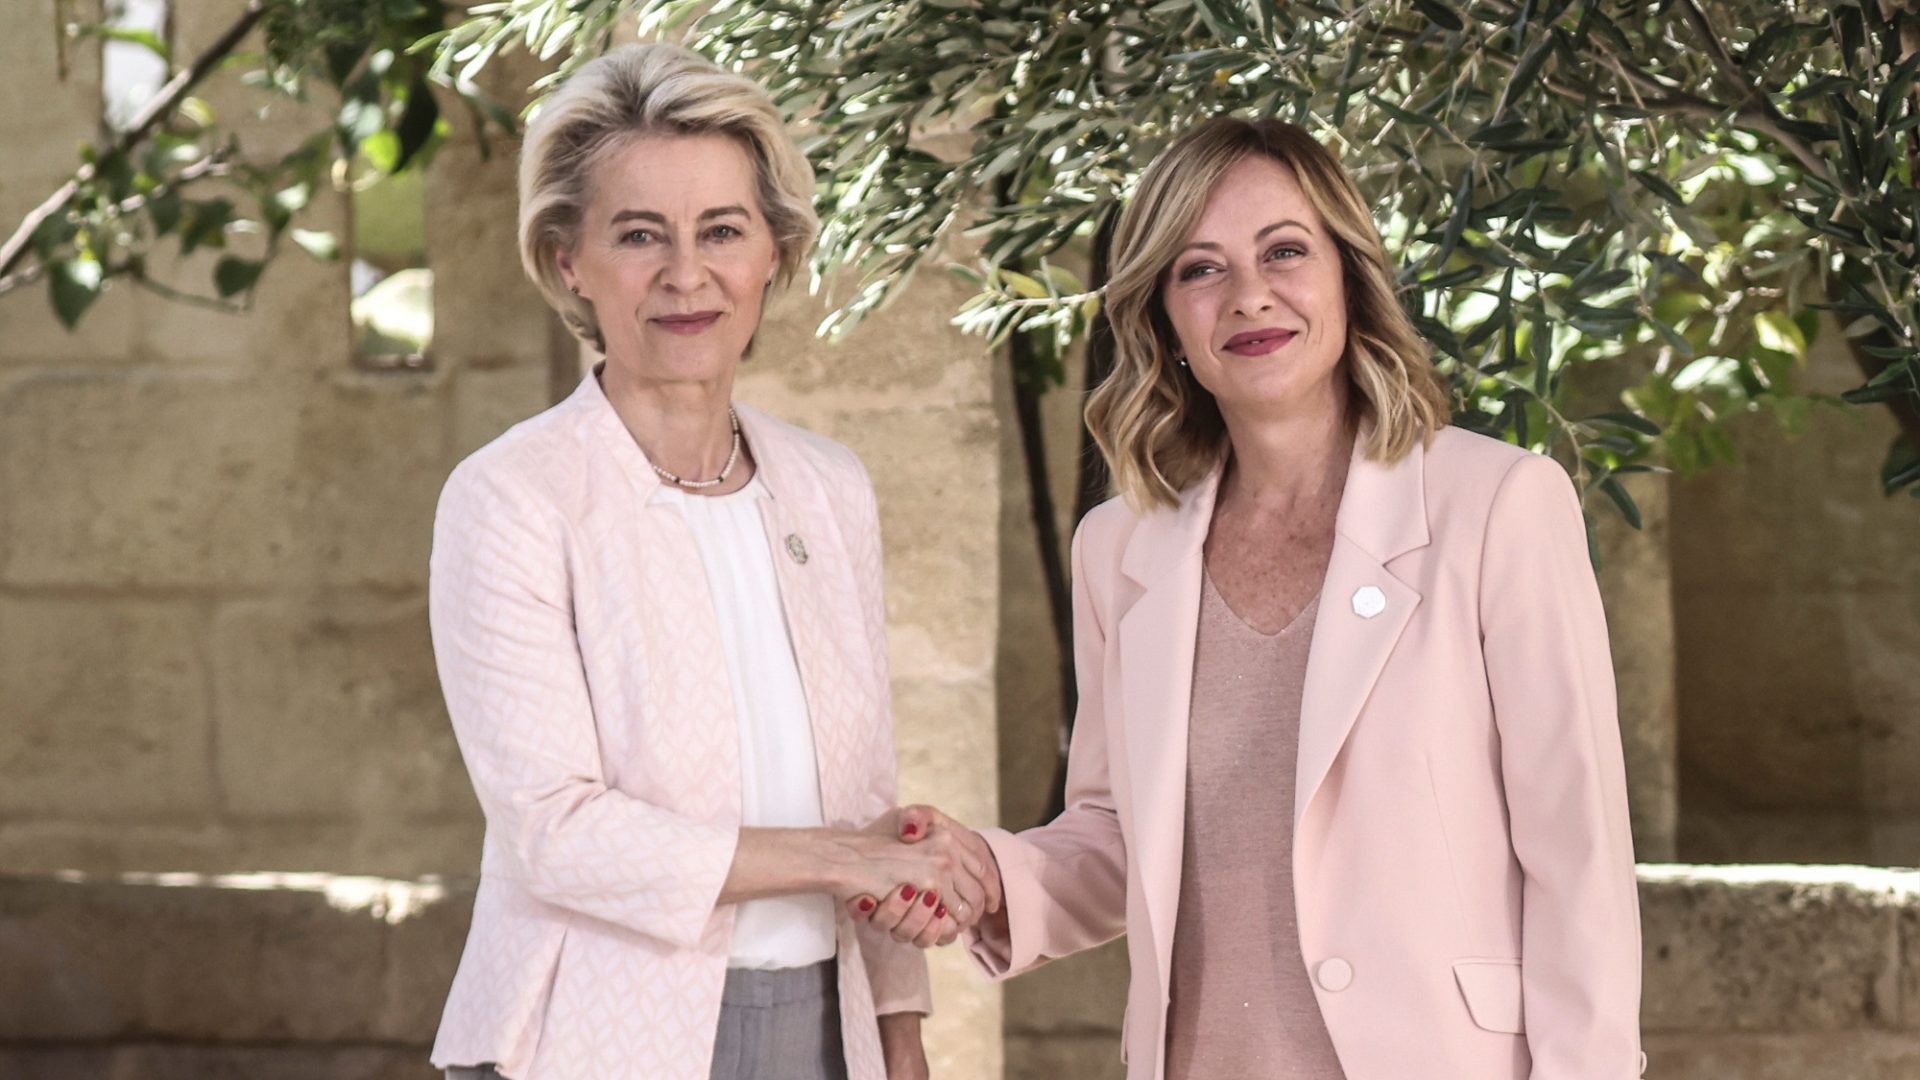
(1464, 875)
(584, 673)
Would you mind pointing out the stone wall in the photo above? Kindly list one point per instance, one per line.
(1796, 591)
(1753, 973)
(214, 528)
(213, 548)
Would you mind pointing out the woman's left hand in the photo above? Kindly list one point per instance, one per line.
(900, 1045)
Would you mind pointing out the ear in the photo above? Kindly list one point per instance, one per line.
(563, 261)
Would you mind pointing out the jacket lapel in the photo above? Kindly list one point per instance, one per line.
(1156, 691)
(1363, 607)
(800, 524)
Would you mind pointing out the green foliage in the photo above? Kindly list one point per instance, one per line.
(1656, 198)
(1664, 192)
(188, 181)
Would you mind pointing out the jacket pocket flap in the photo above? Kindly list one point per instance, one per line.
(1492, 991)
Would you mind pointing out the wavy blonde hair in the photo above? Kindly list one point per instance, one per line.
(641, 90)
(1159, 428)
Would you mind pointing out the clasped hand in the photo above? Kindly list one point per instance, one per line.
(931, 878)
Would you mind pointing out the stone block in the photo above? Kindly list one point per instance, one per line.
(487, 314)
(934, 473)
(1909, 992)
(269, 125)
(65, 74)
(961, 1035)
(165, 1061)
(35, 337)
(147, 481)
(1636, 584)
(370, 456)
(944, 739)
(487, 403)
(183, 958)
(908, 350)
(333, 713)
(105, 711)
(1791, 739)
(1772, 949)
(1717, 830)
(1080, 995)
(1783, 1056)
(297, 319)
(1087, 1056)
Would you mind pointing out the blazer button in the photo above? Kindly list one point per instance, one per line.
(1335, 975)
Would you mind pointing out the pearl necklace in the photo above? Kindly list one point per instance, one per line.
(732, 456)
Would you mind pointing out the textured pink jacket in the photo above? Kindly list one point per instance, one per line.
(1463, 870)
(584, 673)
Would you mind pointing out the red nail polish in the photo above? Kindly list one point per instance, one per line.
(930, 899)
(941, 912)
(866, 904)
(906, 892)
(910, 830)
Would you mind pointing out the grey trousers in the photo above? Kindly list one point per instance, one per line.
(774, 1025)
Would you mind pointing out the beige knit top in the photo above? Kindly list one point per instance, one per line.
(1242, 1003)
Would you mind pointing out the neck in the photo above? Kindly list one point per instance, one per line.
(1291, 457)
(682, 427)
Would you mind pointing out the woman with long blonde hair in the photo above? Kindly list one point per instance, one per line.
(1346, 768)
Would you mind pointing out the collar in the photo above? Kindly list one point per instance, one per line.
(1383, 512)
(763, 434)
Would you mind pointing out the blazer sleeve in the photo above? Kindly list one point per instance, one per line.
(1065, 882)
(1544, 638)
(499, 600)
(896, 971)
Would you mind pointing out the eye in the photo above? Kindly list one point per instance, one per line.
(724, 232)
(1288, 251)
(1194, 270)
(637, 236)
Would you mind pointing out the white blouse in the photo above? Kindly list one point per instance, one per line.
(779, 776)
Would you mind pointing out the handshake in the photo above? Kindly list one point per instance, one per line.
(924, 878)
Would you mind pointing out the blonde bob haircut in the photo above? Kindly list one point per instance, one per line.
(636, 91)
(1160, 430)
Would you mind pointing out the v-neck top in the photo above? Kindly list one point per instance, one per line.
(1243, 1005)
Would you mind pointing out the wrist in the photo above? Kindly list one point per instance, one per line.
(835, 858)
(901, 1029)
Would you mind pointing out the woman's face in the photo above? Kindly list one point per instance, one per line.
(675, 255)
(1257, 297)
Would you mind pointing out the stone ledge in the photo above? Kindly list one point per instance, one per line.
(283, 958)
(1780, 948)
(1735, 956)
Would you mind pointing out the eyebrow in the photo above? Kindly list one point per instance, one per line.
(1257, 237)
(661, 219)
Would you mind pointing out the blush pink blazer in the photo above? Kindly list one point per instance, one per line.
(1464, 875)
(584, 673)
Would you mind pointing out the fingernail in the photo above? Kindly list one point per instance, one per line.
(910, 830)
(906, 892)
(940, 912)
(930, 899)
(866, 904)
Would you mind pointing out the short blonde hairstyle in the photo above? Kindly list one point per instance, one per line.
(1159, 428)
(636, 91)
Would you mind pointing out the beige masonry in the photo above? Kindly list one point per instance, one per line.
(213, 653)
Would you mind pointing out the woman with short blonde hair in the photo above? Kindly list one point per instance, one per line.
(657, 89)
(658, 621)
(1346, 768)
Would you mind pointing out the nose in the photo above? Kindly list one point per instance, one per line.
(684, 270)
(1252, 295)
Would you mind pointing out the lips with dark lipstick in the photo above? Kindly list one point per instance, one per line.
(1259, 342)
